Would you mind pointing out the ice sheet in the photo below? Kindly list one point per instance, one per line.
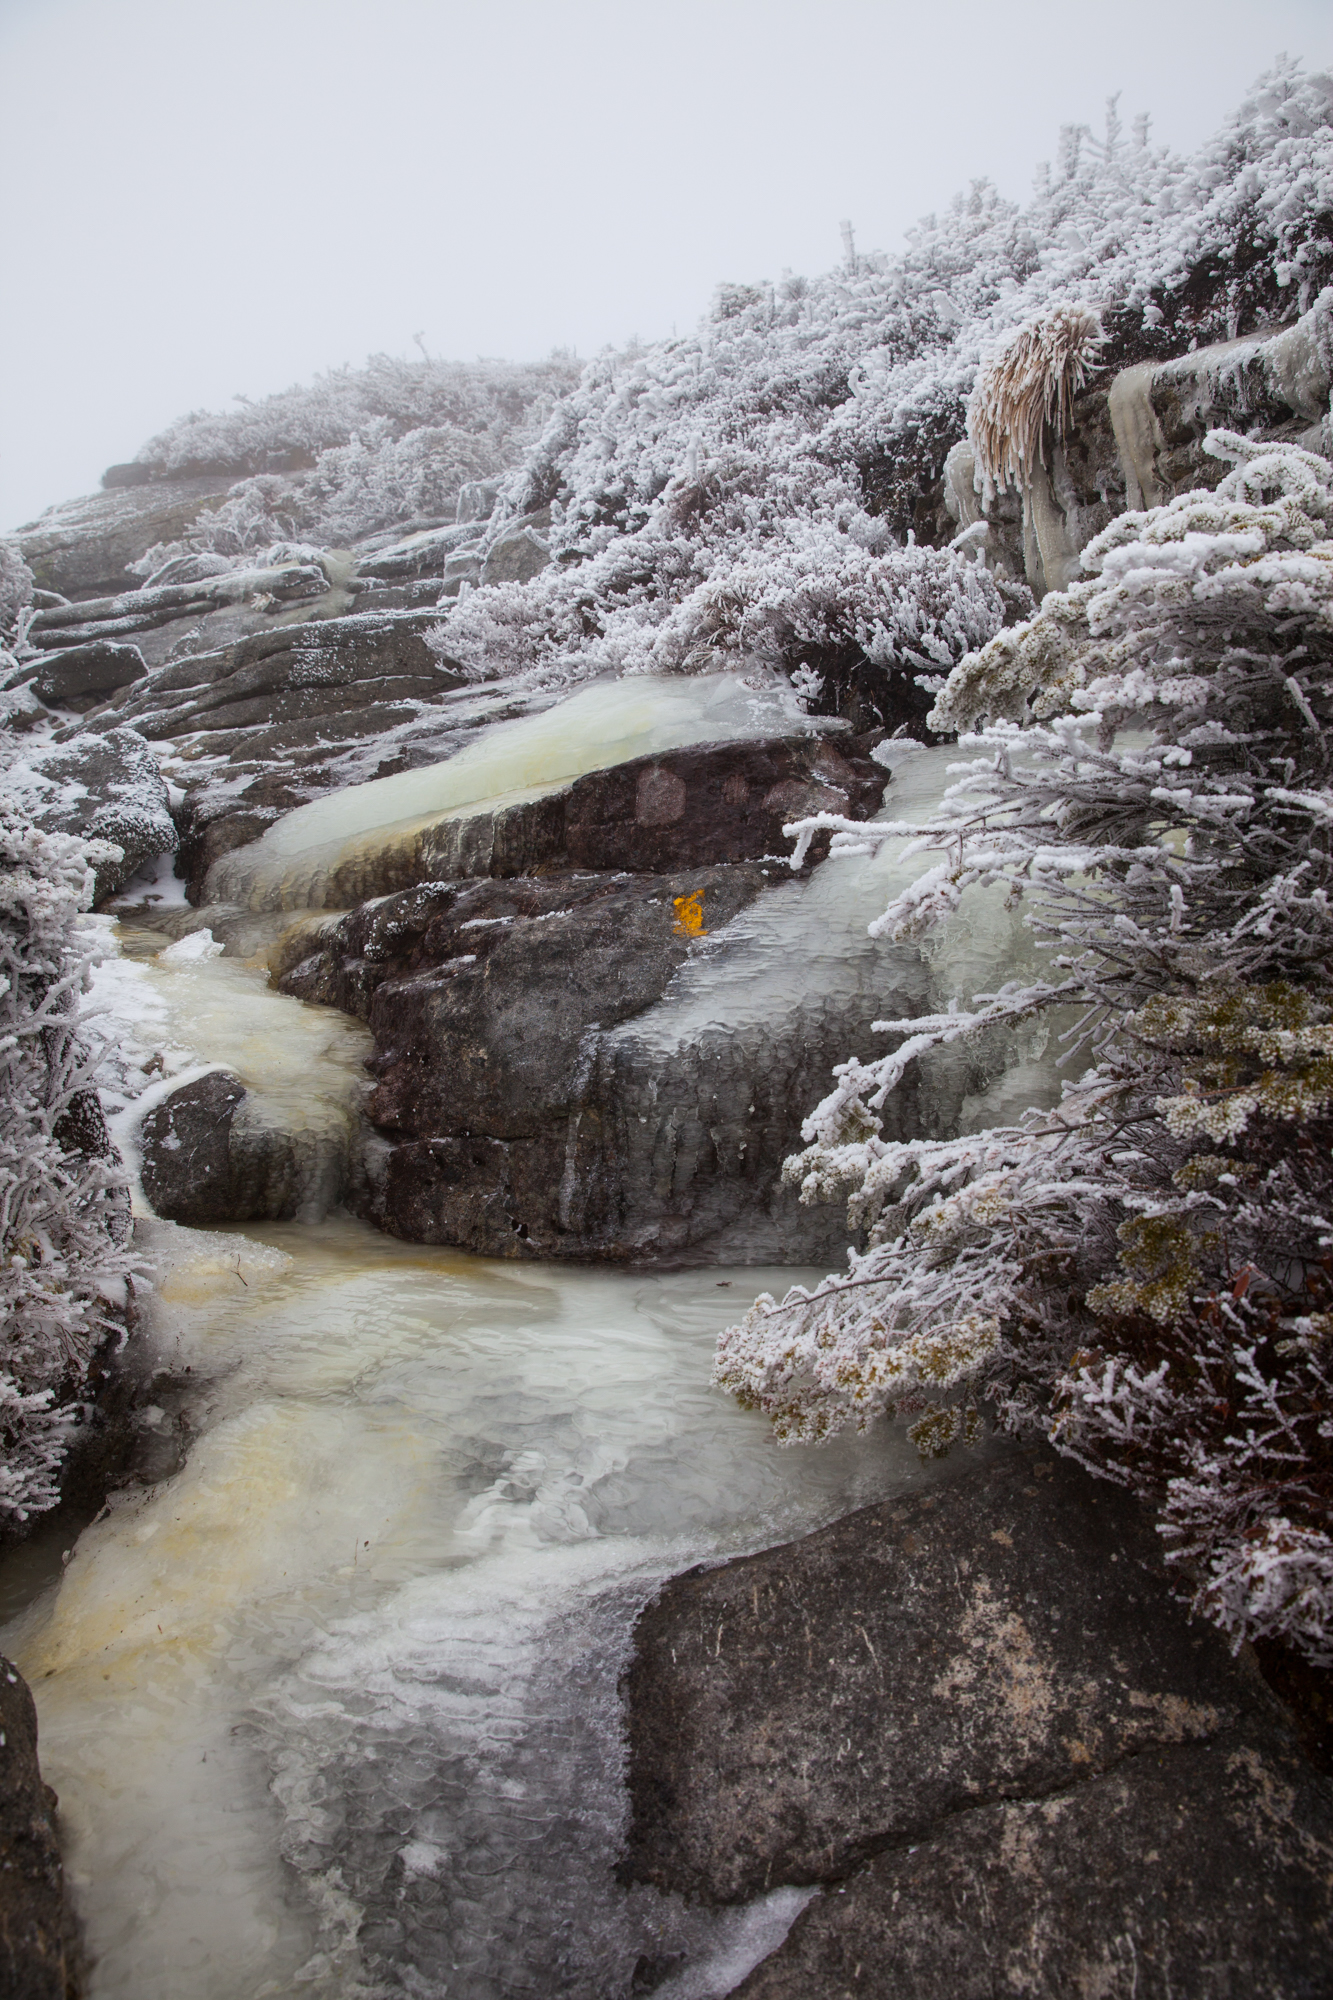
(604, 724)
(334, 1710)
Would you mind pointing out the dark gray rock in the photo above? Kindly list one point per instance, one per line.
(59, 626)
(38, 1951)
(81, 549)
(282, 705)
(84, 676)
(425, 554)
(715, 802)
(203, 1162)
(104, 787)
(510, 1129)
(185, 1142)
(1007, 1636)
(1204, 1872)
(481, 996)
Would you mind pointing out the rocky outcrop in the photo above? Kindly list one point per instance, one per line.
(478, 1055)
(84, 676)
(977, 1717)
(38, 1950)
(1199, 1872)
(165, 604)
(104, 787)
(81, 549)
(507, 1126)
(283, 706)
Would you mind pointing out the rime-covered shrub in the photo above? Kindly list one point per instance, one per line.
(1144, 1272)
(387, 400)
(689, 482)
(355, 451)
(16, 583)
(642, 607)
(65, 1264)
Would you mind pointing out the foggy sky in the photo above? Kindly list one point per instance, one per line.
(201, 200)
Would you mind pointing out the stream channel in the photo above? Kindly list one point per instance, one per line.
(332, 1706)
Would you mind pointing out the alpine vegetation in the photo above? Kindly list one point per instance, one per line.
(64, 1205)
(1145, 1272)
(357, 451)
(65, 1262)
(705, 498)
(1027, 392)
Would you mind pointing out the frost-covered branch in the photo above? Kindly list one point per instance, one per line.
(1146, 1271)
(65, 1261)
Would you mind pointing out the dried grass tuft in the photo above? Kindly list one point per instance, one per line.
(1030, 389)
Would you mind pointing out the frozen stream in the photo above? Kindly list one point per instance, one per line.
(332, 1708)
(332, 1711)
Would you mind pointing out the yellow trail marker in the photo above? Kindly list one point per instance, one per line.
(690, 914)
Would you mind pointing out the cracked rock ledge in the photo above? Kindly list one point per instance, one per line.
(978, 1722)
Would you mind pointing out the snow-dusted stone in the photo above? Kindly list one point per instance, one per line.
(949, 1667)
(272, 699)
(85, 675)
(211, 1152)
(81, 549)
(104, 787)
(185, 1143)
(519, 553)
(38, 1955)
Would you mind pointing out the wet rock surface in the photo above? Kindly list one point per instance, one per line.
(211, 1152)
(38, 1952)
(480, 996)
(185, 1143)
(978, 1714)
(510, 1129)
(1185, 1871)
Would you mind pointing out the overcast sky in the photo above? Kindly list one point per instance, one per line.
(201, 200)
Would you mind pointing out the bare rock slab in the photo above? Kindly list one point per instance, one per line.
(992, 1673)
(1199, 1872)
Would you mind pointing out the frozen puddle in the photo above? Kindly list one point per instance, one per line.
(333, 1710)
